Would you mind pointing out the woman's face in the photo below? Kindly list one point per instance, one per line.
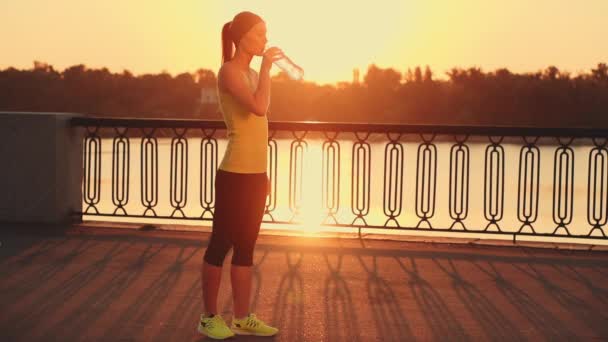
(254, 41)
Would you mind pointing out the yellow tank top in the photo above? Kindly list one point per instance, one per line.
(247, 133)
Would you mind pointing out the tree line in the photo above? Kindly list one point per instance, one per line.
(470, 96)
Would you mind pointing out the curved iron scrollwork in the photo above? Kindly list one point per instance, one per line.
(494, 185)
(360, 178)
(528, 184)
(392, 201)
(149, 171)
(459, 182)
(91, 169)
(563, 186)
(330, 171)
(120, 170)
(297, 155)
(179, 172)
(208, 170)
(597, 188)
(527, 194)
(426, 180)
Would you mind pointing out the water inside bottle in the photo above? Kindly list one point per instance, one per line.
(294, 71)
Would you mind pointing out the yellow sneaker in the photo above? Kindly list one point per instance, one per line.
(214, 327)
(252, 325)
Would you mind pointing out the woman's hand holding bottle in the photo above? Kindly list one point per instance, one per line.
(271, 55)
(276, 56)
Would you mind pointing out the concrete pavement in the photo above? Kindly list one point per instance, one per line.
(111, 284)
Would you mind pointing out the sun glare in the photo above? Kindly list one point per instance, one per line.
(330, 38)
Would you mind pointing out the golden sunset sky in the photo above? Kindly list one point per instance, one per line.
(328, 38)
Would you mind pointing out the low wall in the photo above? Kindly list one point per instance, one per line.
(40, 167)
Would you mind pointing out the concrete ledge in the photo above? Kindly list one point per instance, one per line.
(352, 236)
(41, 177)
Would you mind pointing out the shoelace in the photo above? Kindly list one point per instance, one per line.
(252, 321)
(208, 324)
(216, 319)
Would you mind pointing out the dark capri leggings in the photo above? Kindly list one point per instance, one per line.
(240, 200)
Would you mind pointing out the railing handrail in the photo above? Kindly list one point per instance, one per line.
(494, 130)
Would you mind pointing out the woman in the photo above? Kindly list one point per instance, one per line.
(242, 183)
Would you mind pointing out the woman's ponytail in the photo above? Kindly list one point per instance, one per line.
(226, 43)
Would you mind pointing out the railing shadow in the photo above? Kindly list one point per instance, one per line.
(351, 292)
(22, 257)
(545, 322)
(568, 300)
(24, 250)
(440, 318)
(494, 323)
(52, 298)
(391, 322)
(90, 310)
(288, 310)
(573, 274)
(341, 321)
(148, 301)
(25, 276)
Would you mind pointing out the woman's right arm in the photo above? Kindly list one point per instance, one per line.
(234, 82)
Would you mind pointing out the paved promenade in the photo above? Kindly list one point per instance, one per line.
(112, 284)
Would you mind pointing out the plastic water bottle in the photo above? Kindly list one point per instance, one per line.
(293, 71)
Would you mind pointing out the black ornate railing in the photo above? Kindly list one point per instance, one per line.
(523, 183)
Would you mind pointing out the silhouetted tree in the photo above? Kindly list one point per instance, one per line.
(428, 74)
(548, 97)
(600, 73)
(417, 75)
